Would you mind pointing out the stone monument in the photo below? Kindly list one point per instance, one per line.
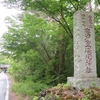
(84, 51)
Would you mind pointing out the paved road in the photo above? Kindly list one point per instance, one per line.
(3, 86)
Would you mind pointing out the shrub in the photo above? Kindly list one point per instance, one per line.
(29, 88)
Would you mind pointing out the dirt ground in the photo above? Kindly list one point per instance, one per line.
(13, 96)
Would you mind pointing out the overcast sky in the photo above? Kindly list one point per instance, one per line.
(3, 13)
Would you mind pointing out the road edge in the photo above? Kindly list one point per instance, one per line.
(7, 90)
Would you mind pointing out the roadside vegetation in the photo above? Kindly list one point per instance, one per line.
(4, 59)
(39, 42)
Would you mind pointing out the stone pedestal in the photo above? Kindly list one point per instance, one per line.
(80, 83)
(84, 51)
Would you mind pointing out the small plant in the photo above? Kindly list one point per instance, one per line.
(49, 97)
(57, 97)
(86, 91)
(28, 88)
(93, 84)
(91, 94)
(84, 99)
(59, 85)
(66, 85)
(35, 98)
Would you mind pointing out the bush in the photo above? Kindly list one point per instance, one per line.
(28, 88)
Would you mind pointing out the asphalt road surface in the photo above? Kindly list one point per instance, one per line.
(3, 86)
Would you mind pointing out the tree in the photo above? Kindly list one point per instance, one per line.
(49, 40)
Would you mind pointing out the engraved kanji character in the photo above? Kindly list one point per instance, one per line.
(88, 70)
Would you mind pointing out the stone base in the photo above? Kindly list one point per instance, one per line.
(80, 83)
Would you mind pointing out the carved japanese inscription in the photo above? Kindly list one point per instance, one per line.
(84, 51)
(84, 45)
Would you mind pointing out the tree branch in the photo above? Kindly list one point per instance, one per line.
(73, 5)
(43, 46)
(42, 57)
(55, 18)
(66, 24)
(38, 52)
(62, 26)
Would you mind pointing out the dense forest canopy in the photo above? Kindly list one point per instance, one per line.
(40, 40)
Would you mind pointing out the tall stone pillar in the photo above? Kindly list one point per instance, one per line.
(84, 51)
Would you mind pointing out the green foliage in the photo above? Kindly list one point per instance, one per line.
(90, 94)
(4, 59)
(66, 85)
(63, 85)
(85, 99)
(44, 44)
(40, 41)
(51, 97)
(35, 98)
(28, 88)
(19, 71)
(37, 43)
(93, 84)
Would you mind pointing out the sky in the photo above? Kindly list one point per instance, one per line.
(4, 12)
